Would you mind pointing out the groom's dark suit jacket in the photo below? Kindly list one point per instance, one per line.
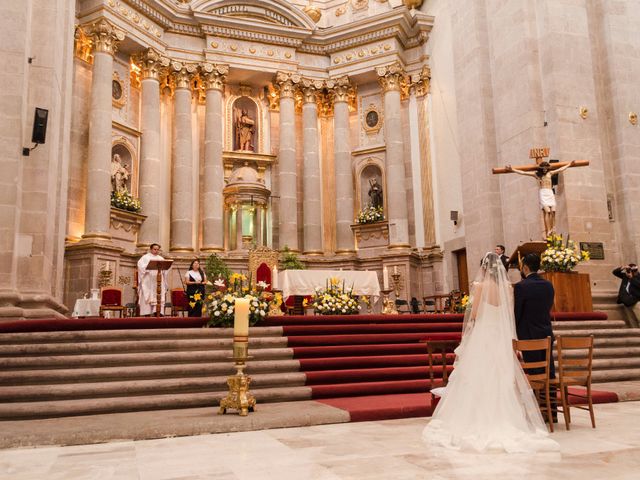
(533, 299)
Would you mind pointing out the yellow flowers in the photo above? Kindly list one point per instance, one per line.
(561, 256)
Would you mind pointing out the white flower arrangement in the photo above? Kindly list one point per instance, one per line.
(221, 302)
(334, 299)
(370, 214)
(559, 257)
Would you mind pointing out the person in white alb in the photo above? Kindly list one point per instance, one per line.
(147, 282)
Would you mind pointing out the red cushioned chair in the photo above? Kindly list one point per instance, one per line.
(263, 274)
(111, 300)
(179, 302)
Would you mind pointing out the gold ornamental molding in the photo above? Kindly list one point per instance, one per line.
(83, 47)
(286, 83)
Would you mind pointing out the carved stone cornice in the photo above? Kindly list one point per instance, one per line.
(310, 89)
(213, 75)
(104, 35)
(151, 62)
(392, 77)
(421, 82)
(287, 82)
(183, 73)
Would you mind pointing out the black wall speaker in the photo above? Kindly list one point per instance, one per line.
(39, 125)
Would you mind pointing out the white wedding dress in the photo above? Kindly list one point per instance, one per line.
(488, 404)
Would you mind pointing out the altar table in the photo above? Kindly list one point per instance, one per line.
(304, 282)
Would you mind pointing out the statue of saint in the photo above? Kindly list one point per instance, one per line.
(119, 174)
(375, 193)
(543, 174)
(245, 127)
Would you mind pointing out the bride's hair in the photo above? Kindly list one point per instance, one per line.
(490, 264)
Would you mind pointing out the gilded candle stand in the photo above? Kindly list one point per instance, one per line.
(388, 305)
(239, 398)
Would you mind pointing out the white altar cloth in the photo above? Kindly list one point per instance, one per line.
(86, 307)
(304, 282)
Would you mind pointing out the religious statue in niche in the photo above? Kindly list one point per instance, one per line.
(375, 193)
(119, 174)
(244, 130)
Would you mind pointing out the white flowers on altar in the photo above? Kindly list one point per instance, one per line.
(334, 299)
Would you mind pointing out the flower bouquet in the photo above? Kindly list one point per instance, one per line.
(463, 305)
(561, 257)
(220, 301)
(370, 214)
(334, 299)
(125, 201)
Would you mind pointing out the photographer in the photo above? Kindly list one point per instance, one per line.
(629, 293)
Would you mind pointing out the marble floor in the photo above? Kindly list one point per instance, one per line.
(389, 449)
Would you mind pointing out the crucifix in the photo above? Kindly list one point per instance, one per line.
(543, 172)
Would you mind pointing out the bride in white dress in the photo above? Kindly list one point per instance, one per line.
(488, 404)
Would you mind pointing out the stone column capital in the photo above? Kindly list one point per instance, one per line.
(392, 77)
(341, 89)
(421, 82)
(287, 82)
(151, 62)
(310, 89)
(105, 36)
(214, 75)
(183, 73)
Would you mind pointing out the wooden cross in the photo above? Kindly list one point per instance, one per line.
(543, 172)
(540, 154)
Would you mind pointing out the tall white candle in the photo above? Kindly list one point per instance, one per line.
(395, 269)
(274, 278)
(108, 267)
(241, 318)
(385, 278)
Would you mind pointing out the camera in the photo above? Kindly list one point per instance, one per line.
(631, 269)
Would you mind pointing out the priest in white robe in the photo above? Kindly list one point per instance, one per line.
(147, 282)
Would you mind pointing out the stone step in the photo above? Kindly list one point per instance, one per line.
(83, 348)
(138, 334)
(619, 375)
(214, 384)
(607, 352)
(153, 358)
(24, 410)
(588, 324)
(615, 363)
(603, 332)
(140, 372)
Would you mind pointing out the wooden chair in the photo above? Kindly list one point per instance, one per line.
(443, 347)
(539, 382)
(179, 302)
(111, 300)
(402, 306)
(575, 358)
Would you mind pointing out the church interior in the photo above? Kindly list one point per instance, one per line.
(309, 153)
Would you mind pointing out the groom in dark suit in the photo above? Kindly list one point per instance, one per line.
(533, 299)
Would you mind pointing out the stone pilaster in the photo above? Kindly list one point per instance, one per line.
(151, 64)
(312, 206)
(214, 77)
(392, 78)
(105, 37)
(182, 211)
(288, 178)
(342, 162)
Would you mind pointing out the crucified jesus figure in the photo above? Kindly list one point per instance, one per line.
(544, 174)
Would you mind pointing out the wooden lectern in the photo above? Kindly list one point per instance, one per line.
(160, 266)
(524, 250)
